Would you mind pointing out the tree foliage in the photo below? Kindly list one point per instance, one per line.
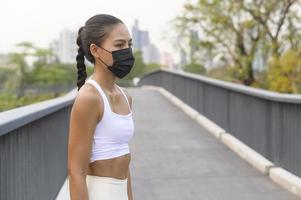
(195, 67)
(285, 73)
(236, 29)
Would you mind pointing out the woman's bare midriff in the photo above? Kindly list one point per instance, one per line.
(113, 167)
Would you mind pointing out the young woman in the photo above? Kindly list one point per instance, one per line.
(101, 123)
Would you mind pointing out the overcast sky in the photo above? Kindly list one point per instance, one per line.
(40, 21)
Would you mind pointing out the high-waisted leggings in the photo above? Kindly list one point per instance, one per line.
(105, 188)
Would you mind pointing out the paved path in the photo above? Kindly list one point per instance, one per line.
(173, 158)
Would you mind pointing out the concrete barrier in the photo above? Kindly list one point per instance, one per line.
(287, 180)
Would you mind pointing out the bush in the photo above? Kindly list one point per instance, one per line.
(8, 102)
(284, 73)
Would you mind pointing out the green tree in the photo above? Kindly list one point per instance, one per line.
(235, 28)
(150, 67)
(40, 54)
(284, 73)
(195, 67)
(16, 82)
(5, 73)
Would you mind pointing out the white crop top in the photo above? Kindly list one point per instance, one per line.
(114, 131)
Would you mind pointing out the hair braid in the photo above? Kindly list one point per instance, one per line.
(80, 60)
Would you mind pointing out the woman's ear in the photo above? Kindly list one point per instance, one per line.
(94, 50)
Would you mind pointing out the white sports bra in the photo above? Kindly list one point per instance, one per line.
(114, 131)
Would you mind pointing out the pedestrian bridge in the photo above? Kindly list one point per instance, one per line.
(195, 138)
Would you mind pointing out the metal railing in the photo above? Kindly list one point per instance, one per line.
(33, 149)
(269, 122)
(33, 138)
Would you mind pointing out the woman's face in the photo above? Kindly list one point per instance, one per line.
(119, 38)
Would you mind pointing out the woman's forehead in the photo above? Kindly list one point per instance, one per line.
(120, 32)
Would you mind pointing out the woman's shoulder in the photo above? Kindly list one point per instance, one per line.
(88, 100)
(88, 93)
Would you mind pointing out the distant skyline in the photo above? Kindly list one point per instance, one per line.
(41, 21)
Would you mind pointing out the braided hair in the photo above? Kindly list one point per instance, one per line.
(94, 31)
(80, 61)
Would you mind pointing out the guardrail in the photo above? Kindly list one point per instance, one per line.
(33, 149)
(268, 122)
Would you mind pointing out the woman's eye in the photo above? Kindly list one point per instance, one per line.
(121, 45)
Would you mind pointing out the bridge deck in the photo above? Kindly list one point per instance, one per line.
(174, 158)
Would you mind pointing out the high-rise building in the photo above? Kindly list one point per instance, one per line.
(259, 61)
(167, 61)
(141, 40)
(65, 47)
(140, 37)
(150, 54)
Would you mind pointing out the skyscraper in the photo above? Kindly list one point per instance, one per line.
(65, 47)
(150, 54)
(142, 42)
(140, 37)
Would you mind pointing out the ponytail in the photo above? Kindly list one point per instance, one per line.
(80, 62)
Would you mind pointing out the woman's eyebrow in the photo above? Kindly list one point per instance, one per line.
(122, 40)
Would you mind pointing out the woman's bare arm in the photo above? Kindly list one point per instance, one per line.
(83, 119)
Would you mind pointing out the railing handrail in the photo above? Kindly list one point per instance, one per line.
(262, 93)
(17, 117)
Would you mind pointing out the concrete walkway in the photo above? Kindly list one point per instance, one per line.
(174, 158)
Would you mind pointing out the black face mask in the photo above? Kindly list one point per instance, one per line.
(123, 61)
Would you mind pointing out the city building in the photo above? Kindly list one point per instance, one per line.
(65, 47)
(141, 41)
(140, 37)
(167, 61)
(150, 54)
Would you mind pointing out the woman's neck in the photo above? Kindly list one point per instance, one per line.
(104, 77)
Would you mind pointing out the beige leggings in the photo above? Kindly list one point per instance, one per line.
(106, 188)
